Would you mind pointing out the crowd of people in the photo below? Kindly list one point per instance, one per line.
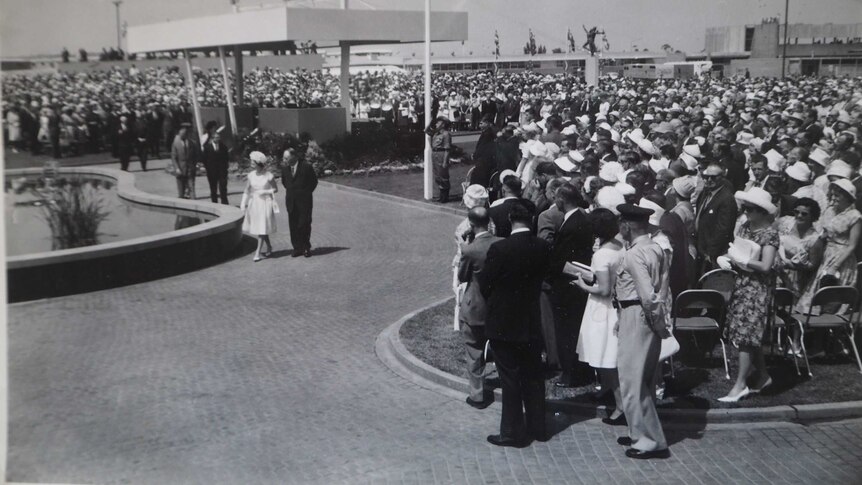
(594, 209)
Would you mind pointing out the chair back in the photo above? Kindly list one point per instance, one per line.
(698, 300)
(832, 297)
(466, 182)
(720, 280)
(783, 298)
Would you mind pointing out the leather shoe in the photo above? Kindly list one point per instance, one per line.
(624, 440)
(498, 440)
(296, 253)
(479, 404)
(646, 455)
(619, 421)
(307, 253)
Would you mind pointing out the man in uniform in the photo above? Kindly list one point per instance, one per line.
(441, 142)
(640, 329)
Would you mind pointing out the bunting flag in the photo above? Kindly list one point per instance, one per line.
(496, 45)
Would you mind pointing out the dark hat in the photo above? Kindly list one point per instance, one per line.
(630, 212)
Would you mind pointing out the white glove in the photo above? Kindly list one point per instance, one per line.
(723, 262)
(244, 203)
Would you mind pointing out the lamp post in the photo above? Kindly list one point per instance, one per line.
(429, 177)
(784, 47)
(117, 5)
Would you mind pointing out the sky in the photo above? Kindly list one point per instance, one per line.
(38, 27)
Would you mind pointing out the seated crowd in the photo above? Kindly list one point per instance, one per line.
(758, 177)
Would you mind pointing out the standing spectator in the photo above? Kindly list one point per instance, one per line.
(642, 326)
(13, 127)
(754, 285)
(126, 142)
(510, 282)
(184, 159)
(597, 342)
(299, 181)
(215, 156)
(259, 205)
(473, 308)
(441, 143)
(142, 143)
(714, 218)
(484, 155)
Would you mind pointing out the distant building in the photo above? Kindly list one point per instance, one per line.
(542, 63)
(820, 50)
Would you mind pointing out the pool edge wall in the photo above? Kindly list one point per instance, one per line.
(121, 263)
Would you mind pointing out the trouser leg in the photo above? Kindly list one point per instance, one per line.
(292, 218)
(303, 225)
(533, 384)
(222, 187)
(181, 187)
(512, 420)
(213, 180)
(474, 343)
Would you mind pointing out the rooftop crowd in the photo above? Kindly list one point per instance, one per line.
(651, 185)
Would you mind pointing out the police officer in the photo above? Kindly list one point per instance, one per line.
(441, 142)
(640, 329)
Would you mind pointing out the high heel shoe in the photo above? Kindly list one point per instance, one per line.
(764, 386)
(729, 398)
(257, 258)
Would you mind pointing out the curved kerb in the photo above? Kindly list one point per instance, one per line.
(79, 270)
(394, 354)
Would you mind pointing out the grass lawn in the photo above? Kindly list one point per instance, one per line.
(697, 383)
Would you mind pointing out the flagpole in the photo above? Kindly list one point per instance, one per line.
(429, 174)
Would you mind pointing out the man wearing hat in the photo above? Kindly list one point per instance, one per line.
(441, 143)
(715, 217)
(185, 154)
(641, 327)
(472, 308)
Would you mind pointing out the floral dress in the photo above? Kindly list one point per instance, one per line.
(836, 229)
(751, 299)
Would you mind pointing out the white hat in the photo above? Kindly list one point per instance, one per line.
(819, 156)
(658, 210)
(475, 196)
(757, 196)
(744, 137)
(609, 198)
(576, 155)
(693, 150)
(646, 146)
(611, 172)
(658, 164)
(615, 136)
(538, 150)
(847, 186)
(649, 117)
(685, 186)
(624, 188)
(757, 142)
(775, 161)
(506, 173)
(635, 135)
(569, 130)
(840, 168)
(584, 119)
(553, 149)
(257, 157)
(799, 171)
(565, 164)
(690, 162)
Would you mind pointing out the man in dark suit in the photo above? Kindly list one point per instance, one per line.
(473, 309)
(715, 217)
(299, 181)
(511, 282)
(215, 158)
(484, 155)
(572, 242)
(510, 195)
(125, 142)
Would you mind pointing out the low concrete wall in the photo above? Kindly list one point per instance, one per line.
(80, 270)
(323, 124)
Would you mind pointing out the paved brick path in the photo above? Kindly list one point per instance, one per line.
(265, 373)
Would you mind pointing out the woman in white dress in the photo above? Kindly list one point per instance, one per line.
(258, 203)
(597, 344)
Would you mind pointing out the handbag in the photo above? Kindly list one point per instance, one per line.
(669, 347)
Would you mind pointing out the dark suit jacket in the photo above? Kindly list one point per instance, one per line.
(215, 161)
(715, 223)
(548, 223)
(511, 282)
(573, 242)
(300, 187)
(500, 215)
(473, 307)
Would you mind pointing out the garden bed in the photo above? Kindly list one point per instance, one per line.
(697, 383)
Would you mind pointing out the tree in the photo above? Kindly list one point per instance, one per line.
(556, 50)
(531, 48)
(667, 48)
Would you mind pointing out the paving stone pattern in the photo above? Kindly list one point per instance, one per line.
(265, 373)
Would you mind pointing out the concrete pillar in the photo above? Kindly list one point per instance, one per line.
(230, 111)
(237, 72)
(199, 124)
(591, 71)
(344, 82)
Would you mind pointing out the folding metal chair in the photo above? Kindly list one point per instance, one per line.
(466, 182)
(830, 297)
(720, 280)
(781, 320)
(688, 302)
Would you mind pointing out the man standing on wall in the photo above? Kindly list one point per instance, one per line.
(299, 181)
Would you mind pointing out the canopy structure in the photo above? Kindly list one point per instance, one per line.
(273, 28)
